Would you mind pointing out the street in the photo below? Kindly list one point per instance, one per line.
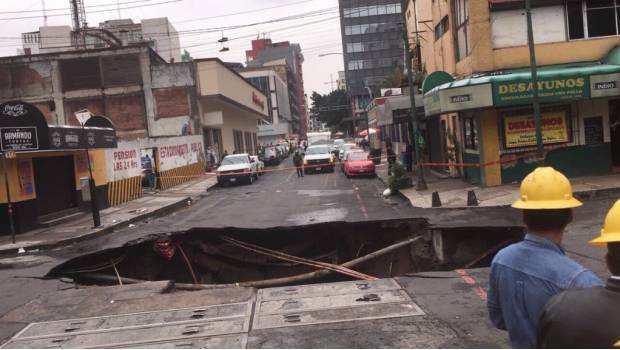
(281, 199)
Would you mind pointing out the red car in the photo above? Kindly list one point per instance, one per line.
(358, 164)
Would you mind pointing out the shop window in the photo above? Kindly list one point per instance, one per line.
(248, 143)
(238, 141)
(601, 18)
(470, 133)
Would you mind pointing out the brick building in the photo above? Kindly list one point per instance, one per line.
(152, 105)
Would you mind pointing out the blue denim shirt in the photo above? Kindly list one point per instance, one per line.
(524, 276)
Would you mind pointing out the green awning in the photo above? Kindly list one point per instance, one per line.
(513, 87)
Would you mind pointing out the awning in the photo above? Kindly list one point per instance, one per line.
(556, 83)
(23, 128)
(392, 106)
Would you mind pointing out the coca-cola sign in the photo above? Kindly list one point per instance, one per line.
(15, 110)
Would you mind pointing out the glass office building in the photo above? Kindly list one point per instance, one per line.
(372, 41)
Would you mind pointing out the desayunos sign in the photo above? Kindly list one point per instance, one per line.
(520, 131)
(549, 90)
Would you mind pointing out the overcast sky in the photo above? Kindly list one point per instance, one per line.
(317, 33)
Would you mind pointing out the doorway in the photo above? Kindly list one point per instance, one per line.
(614, 134)
(57, 191)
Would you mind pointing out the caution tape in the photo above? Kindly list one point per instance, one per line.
(528, 155)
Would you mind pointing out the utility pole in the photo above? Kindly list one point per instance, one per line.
(420, 183)
(8, 198)
(44, 13)
(540, 152)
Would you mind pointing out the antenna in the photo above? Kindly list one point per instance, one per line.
(44, 13)
(78, 15)
(118, 8)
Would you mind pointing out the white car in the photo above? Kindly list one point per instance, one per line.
(319, 158)
(236, 168)
(260, 165)
(344, 149)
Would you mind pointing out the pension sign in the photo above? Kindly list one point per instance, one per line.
(549, 90)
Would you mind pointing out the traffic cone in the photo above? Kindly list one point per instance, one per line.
(436, 200)
(472, 200)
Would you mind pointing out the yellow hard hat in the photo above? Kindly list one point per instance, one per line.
(546, 188)
(611, 229)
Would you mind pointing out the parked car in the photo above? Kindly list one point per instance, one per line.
(336, 146)
(344, 149)
(236, 168)
(318, 158)
(271, 156)
(283, 151)
(260, 165)
(358, 164)
(347, 151)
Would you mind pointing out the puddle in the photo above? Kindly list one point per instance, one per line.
(325, 215)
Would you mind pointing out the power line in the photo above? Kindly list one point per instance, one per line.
(68, 8)
(90, 12)
(243, 12)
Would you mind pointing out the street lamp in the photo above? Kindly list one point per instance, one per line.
(82, 117)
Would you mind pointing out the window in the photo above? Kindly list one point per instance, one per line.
(370, 28)
(238, 141)
(441, 28)
(461, 20)
(248, 143)
(470, 133)
(374, 10)
(601, 18)
(371, 46)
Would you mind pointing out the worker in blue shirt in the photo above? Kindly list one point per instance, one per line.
(525, 275)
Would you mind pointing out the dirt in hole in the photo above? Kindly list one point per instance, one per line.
(215, 260)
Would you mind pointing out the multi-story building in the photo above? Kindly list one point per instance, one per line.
(150, 103)
(277, 126)
(265, 53)
(372, 46)
(159, 32)
(480, 84)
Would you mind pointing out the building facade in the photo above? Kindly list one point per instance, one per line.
(151, 104)
(277, 126)
(372, 46)
(265, 53)
(230, 108)
(479, 78)
(159, 32)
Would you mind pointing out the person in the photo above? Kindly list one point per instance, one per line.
(225, 154)
(298, 161)
(525, 275)
(588, 318)
(391, 158)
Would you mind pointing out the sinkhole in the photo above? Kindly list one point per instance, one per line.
(291, 255)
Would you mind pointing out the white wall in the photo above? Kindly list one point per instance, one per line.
(592, 108)
(166, 38)
(509, 28)
(55, 38)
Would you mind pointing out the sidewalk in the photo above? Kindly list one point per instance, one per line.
(453, 192)
(151, 204)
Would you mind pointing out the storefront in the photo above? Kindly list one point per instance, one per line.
(47, 166)
(230, 108)
(580, 113)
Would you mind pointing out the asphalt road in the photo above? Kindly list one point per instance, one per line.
(280, 198)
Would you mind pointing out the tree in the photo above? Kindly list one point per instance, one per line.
(331, 108)
(185, 57)
(396, 79)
